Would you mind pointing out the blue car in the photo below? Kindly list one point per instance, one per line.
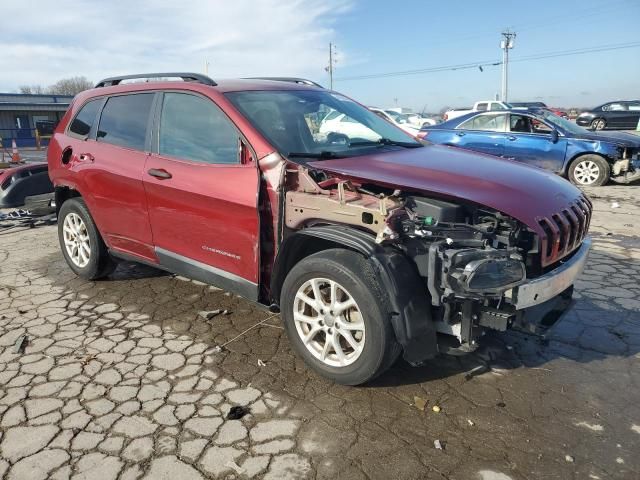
(545, 140)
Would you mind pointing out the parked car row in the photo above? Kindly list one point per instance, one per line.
(369, 242)
(542, 139)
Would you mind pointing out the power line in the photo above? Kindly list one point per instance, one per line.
(491, 63)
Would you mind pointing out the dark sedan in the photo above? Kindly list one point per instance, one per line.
(619, 115)
(547, 141)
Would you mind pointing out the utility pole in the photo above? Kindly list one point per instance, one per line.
(506, 44)
(332, 61)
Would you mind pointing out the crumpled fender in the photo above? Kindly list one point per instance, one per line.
(410, 301)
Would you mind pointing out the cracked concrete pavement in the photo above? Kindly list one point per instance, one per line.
(122, 379)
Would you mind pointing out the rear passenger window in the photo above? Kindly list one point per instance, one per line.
(124, 120)
(83, 122)
(194, 128)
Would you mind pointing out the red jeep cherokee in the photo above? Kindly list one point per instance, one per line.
(298, 198)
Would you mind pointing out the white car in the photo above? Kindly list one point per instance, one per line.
(482, 106)
(398, 119)
(413, 118)
(339, 123)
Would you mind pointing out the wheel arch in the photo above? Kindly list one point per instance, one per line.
(410, 301)
(62, 194)
(567, 164)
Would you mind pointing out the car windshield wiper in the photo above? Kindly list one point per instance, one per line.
(323, 155)
(386, 141)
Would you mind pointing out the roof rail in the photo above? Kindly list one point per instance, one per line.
(300, 81)
(185, 76)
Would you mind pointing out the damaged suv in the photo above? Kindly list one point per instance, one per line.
(371, 245)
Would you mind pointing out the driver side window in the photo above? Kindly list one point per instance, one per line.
(489, 123)
(194, 128)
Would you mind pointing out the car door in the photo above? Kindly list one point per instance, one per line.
(530, 141)
(109, 161)
(202, 194)
(483, 133)
(616, 114)
(631, 115)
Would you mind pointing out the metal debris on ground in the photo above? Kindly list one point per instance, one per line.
(208, 315)
(261, 363)
(237, 412)
(470, 422)
(474, 372)
(233, 465)
(438, 445)
(420, 403)
(569, 458)
(21, 344)
(436, 409)
(18, 220)
(615, 205)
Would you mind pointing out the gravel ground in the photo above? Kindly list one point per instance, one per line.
(124, 379)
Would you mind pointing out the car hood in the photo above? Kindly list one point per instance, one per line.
(619, 138)
(525, 193)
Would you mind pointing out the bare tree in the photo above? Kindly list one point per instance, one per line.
(31, 89)
(70, 86)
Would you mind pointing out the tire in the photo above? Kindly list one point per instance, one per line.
(76, 227)
(598, 124)
(589, 171)
(367, 320)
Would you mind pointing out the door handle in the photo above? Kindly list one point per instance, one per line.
(511, 138)
(86, 157)
(461, 134)
(160, 173)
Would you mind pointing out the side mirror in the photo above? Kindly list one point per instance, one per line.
(554, 136)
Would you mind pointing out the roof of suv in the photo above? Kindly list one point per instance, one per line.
(158, 80)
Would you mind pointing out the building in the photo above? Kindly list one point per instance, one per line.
(21, 114)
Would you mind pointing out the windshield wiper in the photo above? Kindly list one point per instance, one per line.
(385, 141)
(323, 155)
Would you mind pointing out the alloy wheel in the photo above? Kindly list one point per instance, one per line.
(599, 124)
(76, 240)
(329, 322)
(586, 172)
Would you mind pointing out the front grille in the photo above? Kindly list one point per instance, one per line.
(564, 230)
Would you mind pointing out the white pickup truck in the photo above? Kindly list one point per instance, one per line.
(482, 106)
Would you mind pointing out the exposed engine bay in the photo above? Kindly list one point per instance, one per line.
(470, 258)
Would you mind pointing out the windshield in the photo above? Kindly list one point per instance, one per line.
(316, 122)
(563, 123)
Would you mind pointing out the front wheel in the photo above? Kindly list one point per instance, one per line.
(337, 317)
(589, 171)
(598, 124)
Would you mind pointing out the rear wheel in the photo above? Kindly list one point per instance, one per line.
(589, 171)
(81, 243)
(337, 317)
(598, 124)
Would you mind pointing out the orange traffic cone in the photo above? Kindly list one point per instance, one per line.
(15, 155)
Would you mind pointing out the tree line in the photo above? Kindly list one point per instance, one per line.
(66, 86)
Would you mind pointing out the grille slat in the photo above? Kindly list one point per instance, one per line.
(565, 230)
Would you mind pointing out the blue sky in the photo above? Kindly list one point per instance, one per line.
(290, 37)
(377, 37)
